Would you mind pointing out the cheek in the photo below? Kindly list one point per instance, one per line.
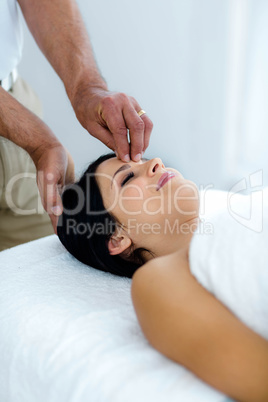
(186, 199)
(138, 199)
(131, 198)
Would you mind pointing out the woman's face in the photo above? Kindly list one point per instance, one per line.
(147, 199)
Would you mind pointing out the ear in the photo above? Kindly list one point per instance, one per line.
(118, 243)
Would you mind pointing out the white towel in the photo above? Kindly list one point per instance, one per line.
(232, 263)
(69, 333)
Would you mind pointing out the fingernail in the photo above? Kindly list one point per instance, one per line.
(116, 153)
(126, 158)
(56, 210)
(137, 157)
(50, 176)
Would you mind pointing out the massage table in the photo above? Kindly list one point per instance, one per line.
(69, 333)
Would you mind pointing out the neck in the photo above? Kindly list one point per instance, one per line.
(176, 241)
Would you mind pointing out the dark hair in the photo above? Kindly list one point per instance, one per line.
(85, 227)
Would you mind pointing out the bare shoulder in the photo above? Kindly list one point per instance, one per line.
(171, 266)
(186, 323)
(166, 278)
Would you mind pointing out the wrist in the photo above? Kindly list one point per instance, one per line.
(87, 84)
(85, 99)
(24, 128)
(39, 150)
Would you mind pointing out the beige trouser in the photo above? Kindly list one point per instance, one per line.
(22, 217)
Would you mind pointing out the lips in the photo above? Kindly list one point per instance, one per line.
(164, 178)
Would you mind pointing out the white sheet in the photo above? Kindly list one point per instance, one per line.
(69, 333)
(232, 263)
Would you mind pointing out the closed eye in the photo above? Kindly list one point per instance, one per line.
(127, 178)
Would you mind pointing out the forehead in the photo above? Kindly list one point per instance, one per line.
(106, 170)
(110, 166)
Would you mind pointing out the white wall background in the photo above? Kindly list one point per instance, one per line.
(198, 67)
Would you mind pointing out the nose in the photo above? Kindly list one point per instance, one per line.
(154, 165)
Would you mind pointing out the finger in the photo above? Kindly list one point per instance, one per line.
(54, 220)
(117, 126)
(147, 130)
(57, 207)
(104, 135)
(70, 174)
(136, 128)
(50, 197)
(49, 191)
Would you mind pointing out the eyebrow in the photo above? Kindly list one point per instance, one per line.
(124, 167)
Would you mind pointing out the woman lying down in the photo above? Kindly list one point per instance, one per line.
(199, 288)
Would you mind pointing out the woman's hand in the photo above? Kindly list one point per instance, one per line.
(108, 116)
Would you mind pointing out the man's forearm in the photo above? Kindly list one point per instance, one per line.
(59, 30)
(60, 33)
(22, 127)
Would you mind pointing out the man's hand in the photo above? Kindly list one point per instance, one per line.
(55, 168)
(53, 163)
(60, 33)
(108, 116)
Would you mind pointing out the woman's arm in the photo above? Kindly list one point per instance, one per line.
(189, 325)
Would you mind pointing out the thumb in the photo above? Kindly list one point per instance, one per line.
(55, 206)
(55, 210)
(54, 220)
(48, 187)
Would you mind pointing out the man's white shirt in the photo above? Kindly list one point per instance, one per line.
(11, 37)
